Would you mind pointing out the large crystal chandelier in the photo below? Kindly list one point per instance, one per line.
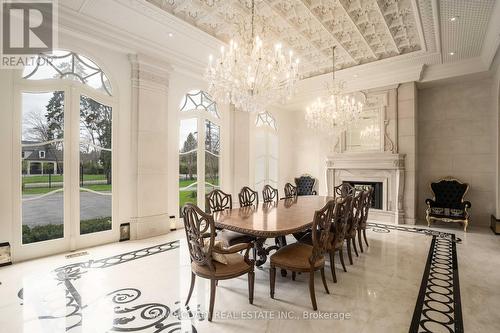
(336, 112)
(250, 74)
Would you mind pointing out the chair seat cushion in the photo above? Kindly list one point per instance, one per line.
(235, 266)
(295, 256)
(230, 238)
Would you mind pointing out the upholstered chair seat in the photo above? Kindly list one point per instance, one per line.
(230, 238)
(296, 257)
(448, 204)
(236, 266)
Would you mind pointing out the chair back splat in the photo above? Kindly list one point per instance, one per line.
(290, 191)
(217, 201)
(270, 194)
(199, 226)
(248, 197)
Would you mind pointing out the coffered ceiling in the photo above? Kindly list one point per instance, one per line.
(363, 30)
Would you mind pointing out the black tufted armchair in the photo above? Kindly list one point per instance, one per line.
(306, 185)
(448, 204)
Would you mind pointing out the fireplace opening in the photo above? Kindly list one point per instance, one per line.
(377, 191)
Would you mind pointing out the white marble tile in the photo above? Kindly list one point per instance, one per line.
(378, 292)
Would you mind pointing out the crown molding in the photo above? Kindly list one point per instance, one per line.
(459, 68)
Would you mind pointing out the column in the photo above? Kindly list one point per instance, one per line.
(150, 79)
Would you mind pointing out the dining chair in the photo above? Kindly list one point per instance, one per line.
(353, 223)
(290, 191)
(367, 204)
(338, 230)
(216, 201)
(344, 189)
(303, 258)
(269, 194)
(203, 250)
(248, 197)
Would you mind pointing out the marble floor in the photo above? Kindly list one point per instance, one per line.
(408, 279)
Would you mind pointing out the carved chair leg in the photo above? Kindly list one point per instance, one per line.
(251, 280)
(193, 278)
(354, 246)
(349, 253)
(466, 223)
(272, 279)
(324, 280)
(332, 266)
(360, 241)
(293, 276)
(364, 236)
(311, 290)
(341, 255)
(213, 286)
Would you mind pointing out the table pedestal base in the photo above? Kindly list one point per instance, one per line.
(263, 252)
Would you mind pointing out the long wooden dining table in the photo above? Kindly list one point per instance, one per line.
(271, 220)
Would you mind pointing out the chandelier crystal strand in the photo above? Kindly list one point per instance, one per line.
(338, 111)
(251, 75)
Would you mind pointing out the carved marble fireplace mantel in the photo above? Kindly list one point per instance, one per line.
(384, 167)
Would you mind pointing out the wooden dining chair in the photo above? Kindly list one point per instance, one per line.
(353, 223)
(367, 204)
(269, 194)
(200, 236)
(344, 189)
(290, 191)
(248, 197)
(301, 257)
(338, 230)
(217, 201)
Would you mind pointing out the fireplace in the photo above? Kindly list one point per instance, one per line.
(377, 194)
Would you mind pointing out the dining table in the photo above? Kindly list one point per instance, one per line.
(275, 219)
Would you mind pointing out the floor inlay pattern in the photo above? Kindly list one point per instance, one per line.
(437, 309)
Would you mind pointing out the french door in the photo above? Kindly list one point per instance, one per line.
(65, 181)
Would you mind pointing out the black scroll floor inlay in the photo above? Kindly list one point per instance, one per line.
(438, 306)
(130, 314)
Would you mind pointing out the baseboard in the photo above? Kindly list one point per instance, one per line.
(495, 225)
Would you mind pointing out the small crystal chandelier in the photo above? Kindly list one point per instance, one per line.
(252, 75)
(338, 111)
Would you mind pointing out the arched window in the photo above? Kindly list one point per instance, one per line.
(266, 151)
(199, 147)
(66, 156)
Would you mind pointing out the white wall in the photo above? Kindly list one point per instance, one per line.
(457, 132)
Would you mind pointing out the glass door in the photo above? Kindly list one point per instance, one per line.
(94, 223)
(43, 173)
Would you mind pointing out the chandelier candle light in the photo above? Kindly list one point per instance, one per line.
(338, 111)
(250, 75)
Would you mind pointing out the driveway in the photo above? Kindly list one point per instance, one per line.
(49, 210)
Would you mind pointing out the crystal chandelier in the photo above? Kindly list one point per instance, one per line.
(336, 112)
(250, 74)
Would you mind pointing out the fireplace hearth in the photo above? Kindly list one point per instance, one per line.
(377, 195)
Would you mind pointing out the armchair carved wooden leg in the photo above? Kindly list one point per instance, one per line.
(466, 223)
(293, 276)
(213, 286)
(341, 255)
(364, 236)
(349, 253)
(311, 290)
(251, 281)
(272, 280)
(332, 266)
(360, 242)
(324, 280)
(354, 246)
(193, 278)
